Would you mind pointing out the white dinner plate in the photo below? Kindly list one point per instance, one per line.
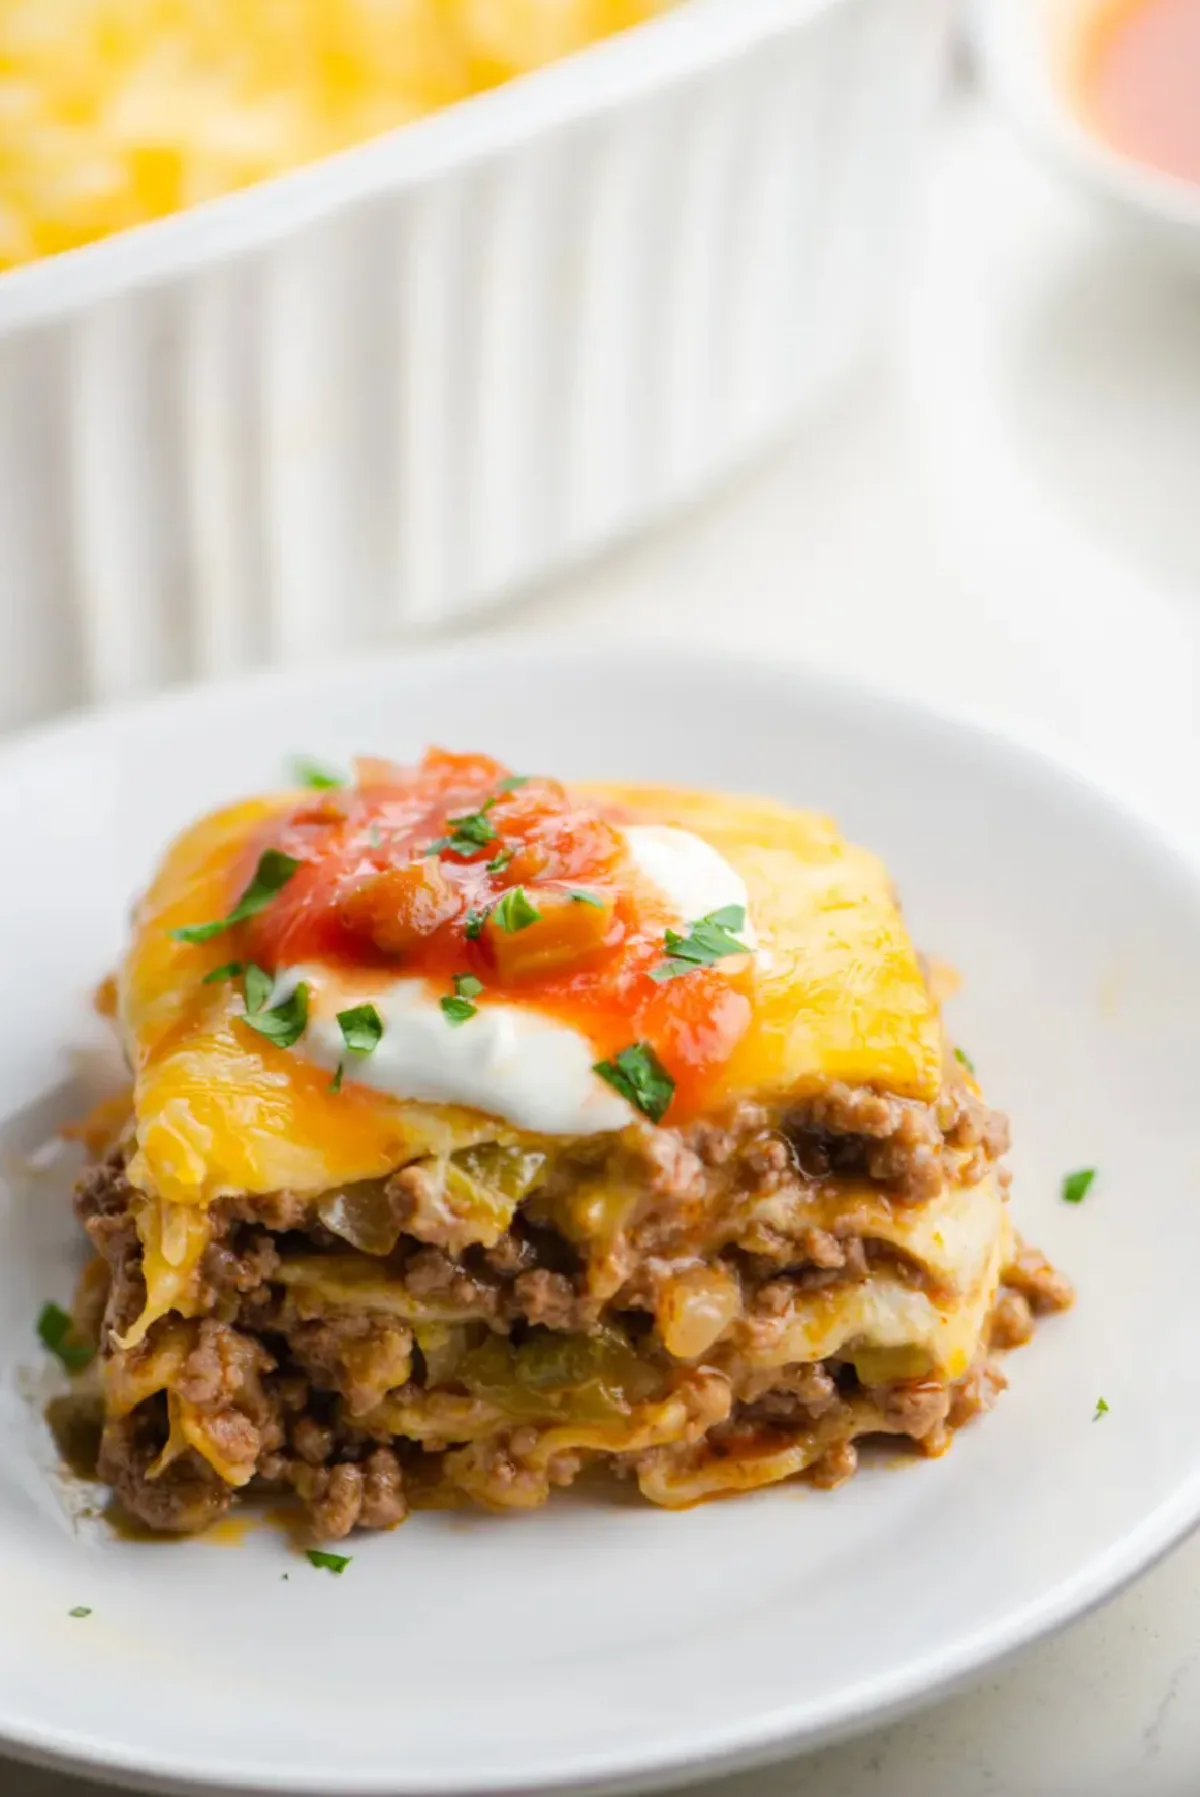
(599, 1641)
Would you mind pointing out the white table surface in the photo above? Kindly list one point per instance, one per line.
(1002, 517)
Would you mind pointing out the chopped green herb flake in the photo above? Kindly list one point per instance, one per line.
(57, 1333)
(1100, 1410)
(230, 970)
(473, 928)
(513, 911)
(1075, 1186)
(272, 874)
(960, 1054)
(286, 1023)
(310, 773)
(500, 862)
(79, 1610)
(257, 986)
(709, 940)
(467, 986)
(588, 898)
(196, 933)
(362, 1029)
(470, 832)
(375, 841)
(335, 1084)
(638, 1075)
(459, 1010)
(513, 782)
(330, 1562)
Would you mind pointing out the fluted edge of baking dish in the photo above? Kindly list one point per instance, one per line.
(390, 389)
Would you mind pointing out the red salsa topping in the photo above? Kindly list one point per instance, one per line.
(459, 868)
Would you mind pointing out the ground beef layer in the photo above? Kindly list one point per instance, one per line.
(596, 1324)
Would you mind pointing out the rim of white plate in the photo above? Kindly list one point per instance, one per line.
(717, 1748)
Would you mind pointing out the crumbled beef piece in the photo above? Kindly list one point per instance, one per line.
(1030, 1273)
(768, 1161)
(383, 1500)
(336, 1501)
(836, 1465)
(552, 1300)
(512, 1254)
(975, 1394)
(311, 1440)
(431, 1274)
(360, 1355)
(280, 1212)
(236, 1263)
(222, 1366)
(182, 1499)
(913, 1406)
(807, 1386)
(1011, 1320)
(672, 1170)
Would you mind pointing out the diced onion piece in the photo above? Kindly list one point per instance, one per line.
(565, 933)
(695, 1309)
(400, 907)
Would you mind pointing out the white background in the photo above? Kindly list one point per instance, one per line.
(1004, 515)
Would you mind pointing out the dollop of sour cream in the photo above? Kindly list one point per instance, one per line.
(694, 877)
(511, 1062)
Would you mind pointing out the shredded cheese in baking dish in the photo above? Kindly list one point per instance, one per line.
(116, 112)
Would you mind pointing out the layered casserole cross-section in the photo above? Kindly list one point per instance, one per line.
(485, 1133)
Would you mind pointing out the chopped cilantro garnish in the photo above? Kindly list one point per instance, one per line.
(470, 832)
(362, 1029)
(501, 861)
(513, 782)
(587, 898)
(638, 1075)
(272, 874)
(473, 928)
(257, 986)
(512, 911)
(57, 1333)
(330, 1562)
(79, 1610)
(1075, 1186)
(960, 1054)
(335, 1084)
(286, 1023)
(458, 1010)
(311, 773)
(1100, 1410)
(709, 940)
(200, 932)
(230, 970)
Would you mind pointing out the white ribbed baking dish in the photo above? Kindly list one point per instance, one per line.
(394, 387)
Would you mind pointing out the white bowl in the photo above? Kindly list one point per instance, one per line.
(596, 1644)
(395, 387)
(1026, 49)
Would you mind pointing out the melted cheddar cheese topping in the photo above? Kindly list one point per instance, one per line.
(386, 886)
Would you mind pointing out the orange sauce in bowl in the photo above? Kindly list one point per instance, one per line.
(1141, 83)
